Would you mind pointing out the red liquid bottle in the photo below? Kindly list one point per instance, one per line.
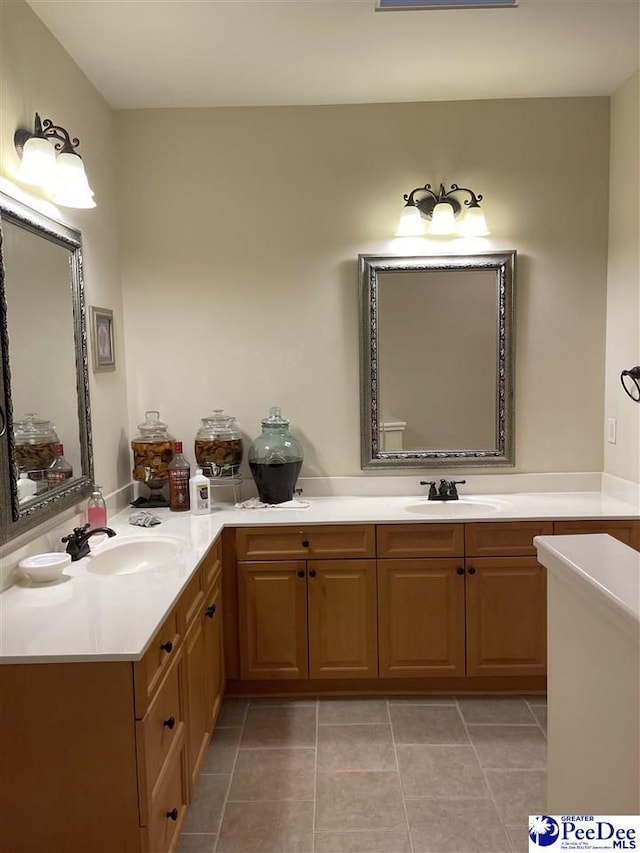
(60, 470)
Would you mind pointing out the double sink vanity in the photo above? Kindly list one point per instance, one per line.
(114, 675)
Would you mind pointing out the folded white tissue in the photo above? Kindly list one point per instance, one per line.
(256, 503)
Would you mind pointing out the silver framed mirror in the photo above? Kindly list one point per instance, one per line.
(44, 379)
(437, 360)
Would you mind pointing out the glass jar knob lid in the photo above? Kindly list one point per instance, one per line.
(275, 418)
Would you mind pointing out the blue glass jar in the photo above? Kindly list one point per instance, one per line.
(275, 459)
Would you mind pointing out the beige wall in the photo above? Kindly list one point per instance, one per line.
(36, 74)
(623, 289)
(240, 235)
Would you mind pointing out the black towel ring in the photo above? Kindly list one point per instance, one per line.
(631, 385)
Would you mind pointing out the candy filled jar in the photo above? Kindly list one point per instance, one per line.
(218, 445)
(275, 459)
(35, 439)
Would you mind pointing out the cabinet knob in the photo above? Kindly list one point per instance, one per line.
(312, 573)
(170, 723)
(173, 814)
(472, 571)
(301, 573)
(167, 647)
(460, 570)
(305, 543)
(211, 609)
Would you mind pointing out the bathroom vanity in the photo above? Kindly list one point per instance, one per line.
(110, 684)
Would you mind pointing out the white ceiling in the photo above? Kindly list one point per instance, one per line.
(205, 53)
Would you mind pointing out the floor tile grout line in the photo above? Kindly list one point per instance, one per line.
(531, 707)
(484, 776)
(231, 775)
(315, 781)
(404, 800)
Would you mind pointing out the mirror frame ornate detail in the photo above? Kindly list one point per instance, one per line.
(15, 520)
(372, 456)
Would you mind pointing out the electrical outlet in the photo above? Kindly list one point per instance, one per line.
(611, 430)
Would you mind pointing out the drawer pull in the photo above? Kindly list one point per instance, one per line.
(301, 573)
(305, 543)
(460, 570)
(167, 647)
(211, 609)
(173, 814)
(312, 573)
(472, 571)
(170, 723)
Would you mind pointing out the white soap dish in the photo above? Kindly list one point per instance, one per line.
(44, 568)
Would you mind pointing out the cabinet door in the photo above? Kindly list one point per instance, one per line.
(213, 653)
(506, 616)
(272, 600)
(421, 617)
(194, 698)
(343, 640)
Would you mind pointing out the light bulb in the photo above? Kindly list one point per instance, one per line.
(411, 223)
(443, 221)
(38, 165)
(474, 223)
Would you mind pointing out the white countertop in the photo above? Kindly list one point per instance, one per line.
(599, 567)
(91, 617)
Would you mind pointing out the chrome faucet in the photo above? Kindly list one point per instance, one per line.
(446, 491)
(78, 541)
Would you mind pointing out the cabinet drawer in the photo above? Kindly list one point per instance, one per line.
(325, 541)
(504, 538)
(148, 672)
(627, 531)
(211, 565)
(168, 805)
(161, 727)
(420, 540)
(190, 604)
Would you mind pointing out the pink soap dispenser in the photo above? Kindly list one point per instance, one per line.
(96, 509)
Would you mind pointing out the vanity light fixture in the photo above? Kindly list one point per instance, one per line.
(62, 175)
(442, 208)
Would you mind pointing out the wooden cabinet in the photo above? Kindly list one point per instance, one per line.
(469, 615)
(307, 618)
(272, 599)
(626, 530)
(421, 617)
(102, 757)
(506, 616)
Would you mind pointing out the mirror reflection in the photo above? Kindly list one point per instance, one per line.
(45, 457)
(436, 360)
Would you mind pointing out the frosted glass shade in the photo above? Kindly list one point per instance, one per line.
(38, 166)
(474, 223)
(443, 221)
(411, 223)
(72, 187)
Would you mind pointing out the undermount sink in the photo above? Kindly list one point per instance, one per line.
(132, 555)
(465, 507)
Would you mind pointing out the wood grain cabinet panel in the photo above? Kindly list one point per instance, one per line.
(342, 607)
(504, 538)
(326, 541)
(626, 530)
(506, 616)
(421, 613)
(168, 806)
(198, 731)
(149, 671)
(214, 654)
(420, 540)
(272, 599)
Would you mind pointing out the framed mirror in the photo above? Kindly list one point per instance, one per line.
(44, 379)
(437, 360)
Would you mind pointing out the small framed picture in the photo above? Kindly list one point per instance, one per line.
(103, 344)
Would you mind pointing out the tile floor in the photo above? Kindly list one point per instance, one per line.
(397, 775)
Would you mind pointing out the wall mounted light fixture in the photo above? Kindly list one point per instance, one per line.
(631, 384)
(62, 175)
(442, 208)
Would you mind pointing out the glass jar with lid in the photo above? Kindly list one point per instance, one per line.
(153, 450)
(218, 445)
(34, 439)
(275, 459)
